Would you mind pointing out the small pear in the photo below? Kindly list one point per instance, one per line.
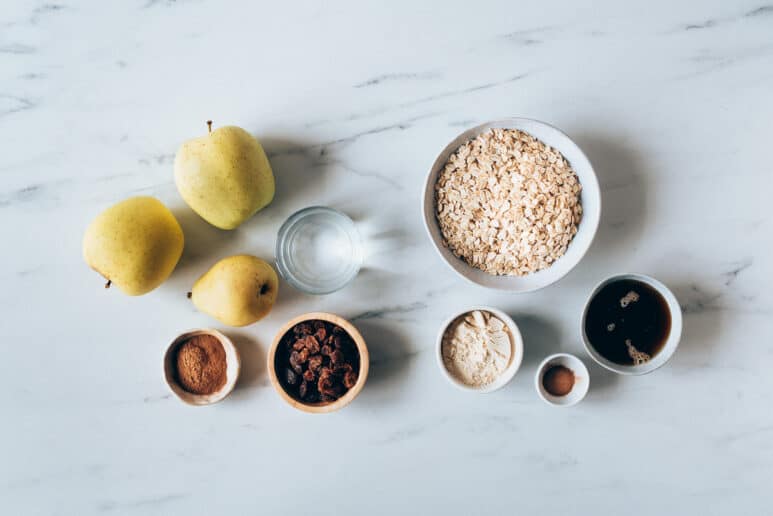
(237, 291)
(224, 176)
(134, 244)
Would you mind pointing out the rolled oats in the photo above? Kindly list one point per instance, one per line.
(507, 203)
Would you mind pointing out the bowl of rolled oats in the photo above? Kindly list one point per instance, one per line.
(512, 205)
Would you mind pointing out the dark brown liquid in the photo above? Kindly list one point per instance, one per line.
(645, 322)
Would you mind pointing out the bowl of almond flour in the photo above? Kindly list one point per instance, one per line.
(512, 205)
(479, 349)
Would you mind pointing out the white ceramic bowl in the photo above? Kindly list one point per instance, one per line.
(673, 337)
(233, 368)
(515, 362)
(581, 380)
(590, 198)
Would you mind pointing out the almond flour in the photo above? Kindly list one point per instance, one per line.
(477, 347)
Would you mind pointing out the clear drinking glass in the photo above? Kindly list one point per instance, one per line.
(318, 250)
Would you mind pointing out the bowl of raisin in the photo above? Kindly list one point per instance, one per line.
(318, 362)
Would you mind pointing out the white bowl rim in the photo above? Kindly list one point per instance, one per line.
(578, 366)
(507, 375)
(590, 186)
(674, 336)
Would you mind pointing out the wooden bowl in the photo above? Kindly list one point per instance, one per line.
(233, 367)
(320, 407)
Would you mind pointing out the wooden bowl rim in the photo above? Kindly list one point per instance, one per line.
(233, 368)
(351, 393)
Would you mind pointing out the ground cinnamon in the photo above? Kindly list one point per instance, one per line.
(200, 364)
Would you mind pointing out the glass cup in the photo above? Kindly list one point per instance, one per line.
(318, 250)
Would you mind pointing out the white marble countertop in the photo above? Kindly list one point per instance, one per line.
(672, 103)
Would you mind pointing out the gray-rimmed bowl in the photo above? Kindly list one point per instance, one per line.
(586, 231)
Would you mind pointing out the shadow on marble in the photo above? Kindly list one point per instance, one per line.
(374, 284)
(204, 244)
(253, 356)
(391, 358)
(289, 296)
(299, 168)
(703, 318)
(540, 339)
(621, 170)
(601, 380)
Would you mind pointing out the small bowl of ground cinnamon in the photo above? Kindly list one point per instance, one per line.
(562, 380)
(201, 366)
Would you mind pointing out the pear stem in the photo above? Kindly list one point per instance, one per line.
(209, 125)
(189, 295)
(109, 282)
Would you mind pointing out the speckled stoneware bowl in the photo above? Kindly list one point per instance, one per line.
(590, 199)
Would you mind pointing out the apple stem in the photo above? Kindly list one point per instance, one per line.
(189, 295)
(109, 282)
(209, 125)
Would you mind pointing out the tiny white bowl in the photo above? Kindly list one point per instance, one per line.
(590, 198)
(515, 361)
(675, 334)
(233, 368)
(581, 380)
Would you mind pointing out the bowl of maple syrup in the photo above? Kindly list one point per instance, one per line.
(631, 324)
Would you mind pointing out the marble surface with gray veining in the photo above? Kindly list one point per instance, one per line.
(672, 102)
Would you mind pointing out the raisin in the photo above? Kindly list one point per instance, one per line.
(303, 355)
(342, 369)
(303, 390)
(309, 375)
(290, 377)
(337, 341)
(326, 398)
(337, 357)
(338, 330)
(312, 344)
(326, 350)
(303, 329)
(320, 334)
(299, 344)
(350, 378)
(336, 390)
(318, 324)
(315, 363)
(295, 362)
(325, 383)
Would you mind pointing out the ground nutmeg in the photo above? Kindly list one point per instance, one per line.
(200, 364)
(558, 380)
